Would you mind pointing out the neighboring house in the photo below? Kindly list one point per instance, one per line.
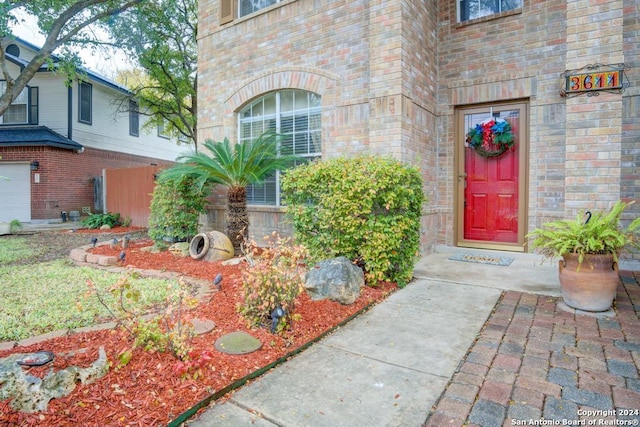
(409, 79)
(56, 139)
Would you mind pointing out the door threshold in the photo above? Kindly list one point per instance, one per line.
(507, 247)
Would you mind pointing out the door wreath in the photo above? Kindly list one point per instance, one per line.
(490, 138)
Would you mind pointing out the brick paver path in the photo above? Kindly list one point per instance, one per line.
(536, 364)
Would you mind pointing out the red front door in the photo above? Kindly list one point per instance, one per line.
(490, 186)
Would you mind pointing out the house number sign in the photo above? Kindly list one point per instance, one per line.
(594, 78)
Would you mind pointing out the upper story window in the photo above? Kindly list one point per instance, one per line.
(23, 109)
(163, 132)
(232, 9)
(247, 7)
(293, 114)
(84, 102)
(472, 9)
(134, 119)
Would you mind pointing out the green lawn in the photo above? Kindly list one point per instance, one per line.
(45, 297)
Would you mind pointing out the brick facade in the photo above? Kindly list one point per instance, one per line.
(66, 178)
(392, 75)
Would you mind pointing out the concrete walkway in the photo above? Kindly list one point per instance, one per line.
(389, 366)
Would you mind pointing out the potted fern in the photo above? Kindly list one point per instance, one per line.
(589, 246)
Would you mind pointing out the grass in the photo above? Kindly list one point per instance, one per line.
(50, 296)
(13, 250)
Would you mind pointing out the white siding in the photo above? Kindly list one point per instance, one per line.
(108, 130)
(52, 100)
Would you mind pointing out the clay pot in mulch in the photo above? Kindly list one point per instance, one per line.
(590, 286)
(211, 246)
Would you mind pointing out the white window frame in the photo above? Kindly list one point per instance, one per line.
(134, 118)
(309, 155)
(487, 11)
(82, 86)
(21, 100)
(162, 130)
(254, 6)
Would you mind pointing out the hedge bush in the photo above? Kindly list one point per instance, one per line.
(366, 208)
(175, 206)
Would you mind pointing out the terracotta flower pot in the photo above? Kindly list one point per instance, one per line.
(592, 286)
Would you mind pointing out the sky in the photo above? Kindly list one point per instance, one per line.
(106, 65)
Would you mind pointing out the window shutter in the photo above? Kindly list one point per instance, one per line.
(227, 11)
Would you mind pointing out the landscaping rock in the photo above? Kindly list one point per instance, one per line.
(337, 279)
(180, 249)
(203, 326)
(32, 394)
(78, 254)
(238, 343)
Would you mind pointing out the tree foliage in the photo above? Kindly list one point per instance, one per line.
(65, 23)
(161, 36)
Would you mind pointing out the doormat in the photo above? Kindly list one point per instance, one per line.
(481, 259)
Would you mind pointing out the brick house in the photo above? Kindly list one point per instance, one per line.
(56, 140)
(410, 79)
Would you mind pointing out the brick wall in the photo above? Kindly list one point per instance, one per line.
(66, 177)
(594, 125)
(630, 147)
(392, 74)
(370, 62)
(516, 55)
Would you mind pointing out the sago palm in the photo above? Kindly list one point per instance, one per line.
(235, 166)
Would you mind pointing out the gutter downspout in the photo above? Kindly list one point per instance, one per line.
(69, 112)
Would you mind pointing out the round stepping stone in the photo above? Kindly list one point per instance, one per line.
(203, 326)
(237, 343)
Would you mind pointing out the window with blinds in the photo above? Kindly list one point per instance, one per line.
(293, 114)
(22, 108)
(232, 9)
(472, 9)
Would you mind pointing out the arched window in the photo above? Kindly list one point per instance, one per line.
(293, 114)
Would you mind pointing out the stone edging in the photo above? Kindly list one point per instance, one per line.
(110, 263)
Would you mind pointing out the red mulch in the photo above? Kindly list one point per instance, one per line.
(147, 391)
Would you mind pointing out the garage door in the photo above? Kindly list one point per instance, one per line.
(15, 192)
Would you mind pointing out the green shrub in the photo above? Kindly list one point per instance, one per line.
(367, 209)
(175, 206)
(273, 279)
(97, 220)
(15, 225)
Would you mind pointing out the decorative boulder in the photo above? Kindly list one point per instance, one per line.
(337, 279)
(180, 249)
(32, 394)
(211, 246)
